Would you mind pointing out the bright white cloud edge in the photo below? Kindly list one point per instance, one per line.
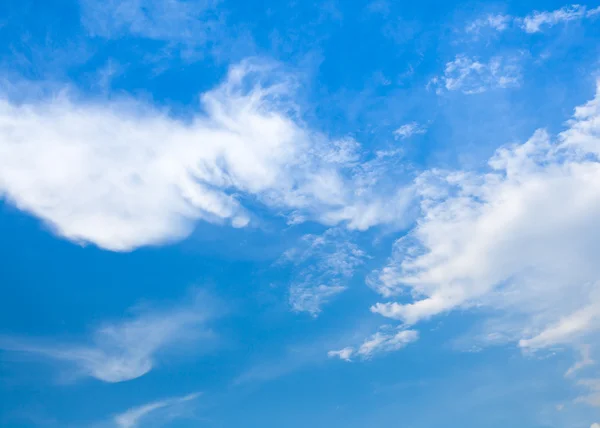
(521, 240)
(125, 174)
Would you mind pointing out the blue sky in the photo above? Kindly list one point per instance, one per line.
(217, 213)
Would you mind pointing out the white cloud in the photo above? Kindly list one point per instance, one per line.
(332, 252)
(409, 129)
(125, 350)
(471, 76)
(323, 263)
(385, 342)
(381, 342)
(171, 408)
(520, 240)
(343, 354)
(310, 298)
(596, 425)
(125, 174)
(534, 22)
(496, 22)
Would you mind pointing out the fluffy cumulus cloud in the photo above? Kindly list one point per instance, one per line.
(521, 240)
(471, 76)
(386, 340)
(125, 350)
(124, 174)
(156, 413)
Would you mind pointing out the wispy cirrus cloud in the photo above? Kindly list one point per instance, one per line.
(322, 266)
(535, 22)
(585, 361)
(471, 76)
(409, 129)
(156, 413)
(496, 22)
(386, 340)
(125, 350)
(310, 298)
(125, 174)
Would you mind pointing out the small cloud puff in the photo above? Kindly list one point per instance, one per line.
(409, 129)
(343, 354)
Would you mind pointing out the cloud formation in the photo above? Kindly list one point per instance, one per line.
(124, 174)
(521, 240)
(409, 129)
(496, 22)
(471, 76)
(163, 410)
(323, 265)
(310, 298)
(535, 22)
(585, 361)
(386, 340)
(125, 350)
